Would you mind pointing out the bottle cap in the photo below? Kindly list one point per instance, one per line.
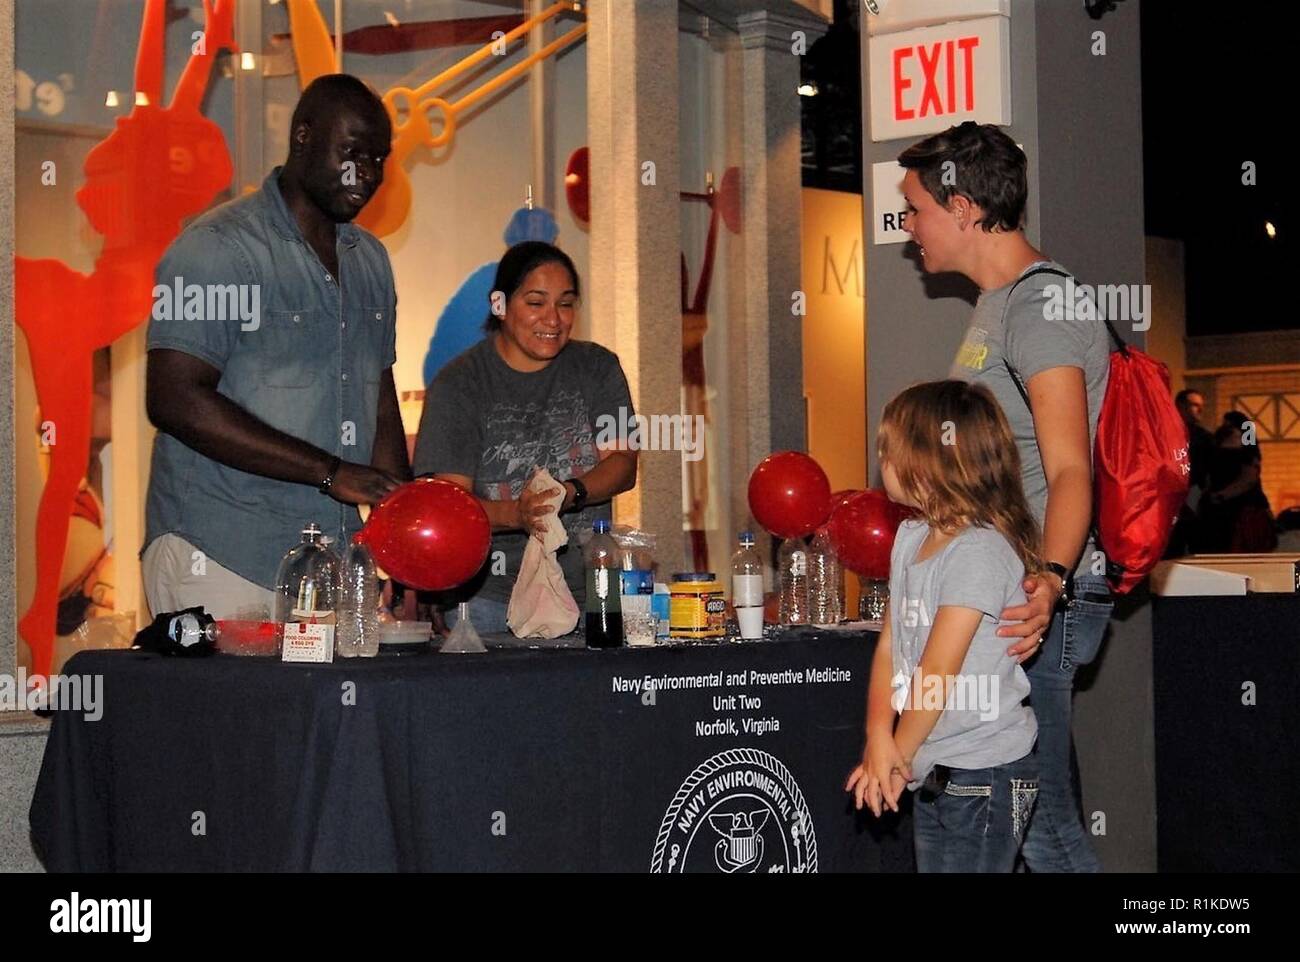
(747, 537)
(695, 576)
(600, 526)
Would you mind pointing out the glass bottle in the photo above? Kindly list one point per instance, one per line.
(307, 583)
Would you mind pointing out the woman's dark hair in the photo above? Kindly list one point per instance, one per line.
(978, 162)
(517, 263)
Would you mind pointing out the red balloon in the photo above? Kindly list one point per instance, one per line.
(429, 534)
(839, 497)
(862, 531)
(789, 494)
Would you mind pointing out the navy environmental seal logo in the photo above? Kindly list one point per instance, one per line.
(740, 811)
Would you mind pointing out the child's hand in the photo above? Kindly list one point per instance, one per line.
(865, 788)
(897, 784)
(880, 777)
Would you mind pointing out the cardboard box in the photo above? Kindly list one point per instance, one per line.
(1228, 574)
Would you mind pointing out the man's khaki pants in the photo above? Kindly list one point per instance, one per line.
(178, 575)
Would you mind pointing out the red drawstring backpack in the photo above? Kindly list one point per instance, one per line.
(1140, 464)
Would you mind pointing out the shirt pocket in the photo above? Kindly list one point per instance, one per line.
(299, 348)
(369, 340)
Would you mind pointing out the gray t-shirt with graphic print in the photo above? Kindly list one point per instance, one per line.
(489, 422)
(985, 723)
(1034, 339)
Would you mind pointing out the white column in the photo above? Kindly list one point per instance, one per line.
(632, 299)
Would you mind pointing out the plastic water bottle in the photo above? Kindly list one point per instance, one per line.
(793, 563)
(307, 582)
(357, 634)
(604, 621)
(825, 582)
(747, 587)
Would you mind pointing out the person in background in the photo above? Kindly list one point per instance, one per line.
(966, 190)
(1190, 404)
(1200, 451)
(289, 415)
(528, 396)
(1235, 515)
(951, 574)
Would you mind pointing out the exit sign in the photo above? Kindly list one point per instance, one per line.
(926, 80)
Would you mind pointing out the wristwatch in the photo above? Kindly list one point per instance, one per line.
(1067, 582)
(335, 464)
(579, 495)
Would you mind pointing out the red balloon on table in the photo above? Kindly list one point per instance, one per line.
(862, 530)
(789, 494)
(429, 534)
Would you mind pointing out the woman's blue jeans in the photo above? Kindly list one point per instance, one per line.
(1057, 839)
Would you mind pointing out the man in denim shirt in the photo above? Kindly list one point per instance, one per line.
(270, 366)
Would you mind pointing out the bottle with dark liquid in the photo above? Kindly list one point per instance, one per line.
(604, 621)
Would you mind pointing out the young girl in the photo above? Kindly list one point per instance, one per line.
(946, 710)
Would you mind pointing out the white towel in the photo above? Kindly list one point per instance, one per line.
(541, 605)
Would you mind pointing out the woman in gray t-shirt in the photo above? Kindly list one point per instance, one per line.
(528, 396)
(966, 191)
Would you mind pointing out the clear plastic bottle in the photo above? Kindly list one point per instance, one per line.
(604, 621)
(747, 587)
(825, 582)
(307, 582)
(792, 560)
(357, 633)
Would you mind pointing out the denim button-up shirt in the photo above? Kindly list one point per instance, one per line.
(242, 290)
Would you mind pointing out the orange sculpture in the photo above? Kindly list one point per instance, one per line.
(159, 166)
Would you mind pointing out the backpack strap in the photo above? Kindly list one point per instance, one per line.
(1015, 375)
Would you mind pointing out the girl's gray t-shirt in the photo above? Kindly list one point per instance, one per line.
(986, 721)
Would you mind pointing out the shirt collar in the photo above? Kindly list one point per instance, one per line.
(285, 224)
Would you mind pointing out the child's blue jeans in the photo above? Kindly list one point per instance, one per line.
(974, 819)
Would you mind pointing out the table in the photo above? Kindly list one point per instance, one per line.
(511, 760)
(1227, 729)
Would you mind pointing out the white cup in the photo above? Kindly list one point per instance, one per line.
(751, 622)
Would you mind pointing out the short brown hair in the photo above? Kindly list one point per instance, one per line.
(988, 169)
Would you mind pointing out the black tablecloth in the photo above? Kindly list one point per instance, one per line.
(1227, 726)
(510, 760)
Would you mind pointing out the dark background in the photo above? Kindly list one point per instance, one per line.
(1214, 96)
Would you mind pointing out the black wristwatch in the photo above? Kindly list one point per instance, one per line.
(579, 495)
(1067, 582)
(335, 464)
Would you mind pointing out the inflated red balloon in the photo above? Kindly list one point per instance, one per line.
(789, 494)
(862, 531)
(429, 534)
(839, 497)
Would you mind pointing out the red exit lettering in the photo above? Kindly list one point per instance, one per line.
(937, 97)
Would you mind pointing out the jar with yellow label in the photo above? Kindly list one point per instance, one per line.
(697, 608)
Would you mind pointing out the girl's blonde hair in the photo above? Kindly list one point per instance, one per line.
(952, 449)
